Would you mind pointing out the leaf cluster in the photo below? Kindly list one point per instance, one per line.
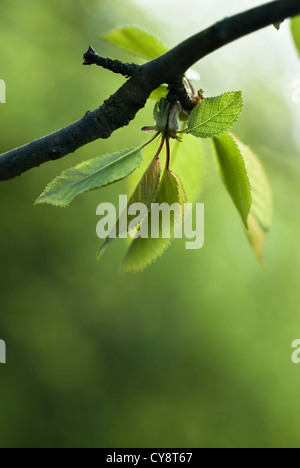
(181, 179)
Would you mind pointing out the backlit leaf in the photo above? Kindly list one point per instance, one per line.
(137, 41)
(144, 251)
(215, 115)
(145, 193)
(234, 174)
(260, 217)
(159, 93)
(295, 25)
(187, 160)
(89, 175)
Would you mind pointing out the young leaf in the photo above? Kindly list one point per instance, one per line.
(146, 190)
(144, 251)
(187, 160)
(137, 41)
(90, 175)
(215, 115)
(234, 174)
(260, 217)
(145, 193)
(135, 178)
(295, 25)
(159, 93)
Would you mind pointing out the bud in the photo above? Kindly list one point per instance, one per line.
(161, 111)
(201, 94)
(167, 120)
(174, 119)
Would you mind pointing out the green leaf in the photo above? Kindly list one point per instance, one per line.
(295, 26)
(159, 93)
(90, 175)
(135, 178)
(144, 251)
(242, 170)
(145, 193)
(187, 160)
(137, 41)
(234, 174)
(146, 190)
(260, 217)
(215, 115)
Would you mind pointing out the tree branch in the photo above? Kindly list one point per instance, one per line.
(125, 69)
(122, 107)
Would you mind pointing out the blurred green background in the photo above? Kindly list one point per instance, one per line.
(195, 352)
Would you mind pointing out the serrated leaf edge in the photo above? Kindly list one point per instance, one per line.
(129, 151)
(190, 130)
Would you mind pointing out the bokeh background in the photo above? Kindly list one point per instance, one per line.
(195, 352)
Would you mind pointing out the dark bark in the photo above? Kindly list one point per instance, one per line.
(125, 69)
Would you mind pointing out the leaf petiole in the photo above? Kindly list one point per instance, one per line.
(168, 153)
(150, 141)
(160, 147)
